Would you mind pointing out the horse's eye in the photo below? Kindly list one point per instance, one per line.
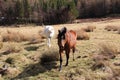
(63, 37)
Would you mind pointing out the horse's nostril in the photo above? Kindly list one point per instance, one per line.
(61, 46)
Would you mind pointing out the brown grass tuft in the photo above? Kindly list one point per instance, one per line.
(119, 31)
(1, 45)
(108, 50)
(89, 28)
(1, 38)
(11, 48)
(12, 72)
(19, 36)
(98, 65)
(82, 35)
(11, 36)
(41, 34)
(49, 55)
(112, 28)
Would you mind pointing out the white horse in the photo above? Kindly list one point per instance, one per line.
(49, 33)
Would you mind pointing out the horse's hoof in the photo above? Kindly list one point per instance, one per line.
(73, 59)
(59, 70)
(66, 65)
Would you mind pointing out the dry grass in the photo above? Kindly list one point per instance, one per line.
(82, 35)
(98, 65)
(1, 45)
(49, 56)
(9, 60)
(17, 36)
(119, 31)
(11, 48)
(112, 28)
(108, 50)
(26, 63)
(89, 28)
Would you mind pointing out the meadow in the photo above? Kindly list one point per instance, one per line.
(24, 51)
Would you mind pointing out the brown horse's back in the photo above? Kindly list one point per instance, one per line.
(73, 33)
(71, 38)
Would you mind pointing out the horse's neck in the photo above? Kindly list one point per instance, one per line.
(69, 35)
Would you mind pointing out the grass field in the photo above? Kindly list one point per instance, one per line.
(26, 60)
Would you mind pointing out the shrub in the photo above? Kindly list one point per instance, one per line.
(111, 28)
(11, 36)
(19, 36)
(1, 45)
(89, 28)
(98, 65)
(109, 50)
(41, 34)
(11, 48)
(119, 31)
(49, 56)
(82, 35)
(1, 38)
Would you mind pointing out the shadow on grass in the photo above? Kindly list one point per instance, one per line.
(31, 48)
(35, 69)
(34, 42)
(47, 62)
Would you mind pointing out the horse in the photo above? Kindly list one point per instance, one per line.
(66, 41)
(49, 33)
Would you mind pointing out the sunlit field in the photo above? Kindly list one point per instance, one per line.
(25, 53)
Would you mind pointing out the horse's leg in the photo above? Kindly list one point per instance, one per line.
(73, 53)
(67, 56)
(60, 52)
(47, 41)
(49, 44)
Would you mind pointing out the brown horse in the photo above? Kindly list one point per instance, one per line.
(66, 41)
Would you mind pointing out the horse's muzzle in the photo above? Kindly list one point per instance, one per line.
(62, 47)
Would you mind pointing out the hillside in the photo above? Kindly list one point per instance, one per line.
(30, 61)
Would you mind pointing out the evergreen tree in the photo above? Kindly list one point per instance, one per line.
(41, 3)
(19, 9)
(27, 9)
(61, 3)
(73, 13)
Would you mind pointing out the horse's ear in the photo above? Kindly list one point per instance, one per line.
(65, 29)
(58, 31)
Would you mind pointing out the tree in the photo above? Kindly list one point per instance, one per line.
(19, 8)
(73, 13)
(27, 8)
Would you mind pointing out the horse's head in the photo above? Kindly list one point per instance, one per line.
(61, 37)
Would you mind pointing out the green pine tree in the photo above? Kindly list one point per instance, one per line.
(19, 9)
(73, 10)
(27, 8)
